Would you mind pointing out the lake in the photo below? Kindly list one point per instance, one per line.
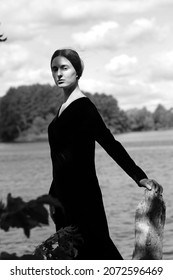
(25, 170)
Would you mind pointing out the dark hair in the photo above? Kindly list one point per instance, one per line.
(73, 57)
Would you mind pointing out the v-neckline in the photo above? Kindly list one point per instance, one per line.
(58, 116)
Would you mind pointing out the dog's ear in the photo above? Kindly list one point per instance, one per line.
(157, 187)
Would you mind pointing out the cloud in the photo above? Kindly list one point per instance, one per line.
(95, 85)
(23, 32)
(25, 20)
(122, 65)
(96, 10)
(107, 28)
(64, 11)
(145, 30)
(99, 35)
(161, 67)
(12, 57)
(33, 76)
(132, 92)
(129, 93)
(110, 35)
(20, 65)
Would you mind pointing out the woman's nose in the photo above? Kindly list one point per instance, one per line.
(59, 73)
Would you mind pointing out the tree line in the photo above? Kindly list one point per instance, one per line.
(26, 111)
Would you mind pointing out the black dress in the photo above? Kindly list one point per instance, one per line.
(72, 138)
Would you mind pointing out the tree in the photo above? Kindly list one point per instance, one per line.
(140, 119)
(108, 107)
(12, 119)
(161, 117)
(170, 114)
(27, 107)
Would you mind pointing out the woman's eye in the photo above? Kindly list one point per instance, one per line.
(54, 69)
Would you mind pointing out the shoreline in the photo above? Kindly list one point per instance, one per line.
(33, 138)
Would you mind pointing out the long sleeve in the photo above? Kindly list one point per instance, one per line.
(114, 148)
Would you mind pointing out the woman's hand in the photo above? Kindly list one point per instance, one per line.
(150, 184)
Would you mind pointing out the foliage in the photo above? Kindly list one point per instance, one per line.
(64, 244)
(2, 39)
(27, 215)
(108, 107)
(140, 119)
(27, 108)
(163, 118)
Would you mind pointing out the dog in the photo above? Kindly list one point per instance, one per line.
(149, 225)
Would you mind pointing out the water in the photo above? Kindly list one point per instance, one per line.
(25, 170)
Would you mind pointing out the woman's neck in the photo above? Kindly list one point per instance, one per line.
(68, 91)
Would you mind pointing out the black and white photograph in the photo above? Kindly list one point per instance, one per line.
(86, 130)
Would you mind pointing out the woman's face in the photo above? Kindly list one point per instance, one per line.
(63, 72)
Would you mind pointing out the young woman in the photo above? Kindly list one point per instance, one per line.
(72, 136)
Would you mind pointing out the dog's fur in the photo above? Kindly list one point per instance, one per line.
(149, 225)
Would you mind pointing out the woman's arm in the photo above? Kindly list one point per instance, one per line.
(114, 148)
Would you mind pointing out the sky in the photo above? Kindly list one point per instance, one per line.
(126, 46)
